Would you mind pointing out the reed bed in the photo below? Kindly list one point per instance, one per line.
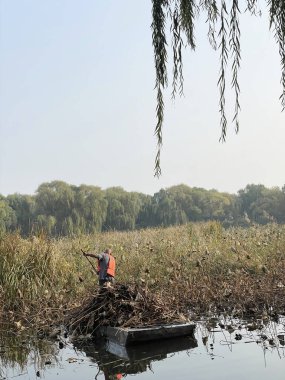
(199, 266)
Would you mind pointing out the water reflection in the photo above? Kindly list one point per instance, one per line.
(269, 334)
(222, 348)
(116, 361)
(17, 350)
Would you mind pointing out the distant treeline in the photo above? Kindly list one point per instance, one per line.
(62, 209)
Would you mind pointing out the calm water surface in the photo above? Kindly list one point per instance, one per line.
(217, 352)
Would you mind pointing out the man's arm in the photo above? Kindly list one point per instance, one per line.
(95, 255)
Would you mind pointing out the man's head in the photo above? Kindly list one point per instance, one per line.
(109, 251)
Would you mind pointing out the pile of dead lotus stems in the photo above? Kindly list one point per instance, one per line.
(122, 306)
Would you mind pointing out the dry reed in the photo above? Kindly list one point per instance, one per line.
(201, 266)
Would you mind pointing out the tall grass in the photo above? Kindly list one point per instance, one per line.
(35, 276)
(202, 264)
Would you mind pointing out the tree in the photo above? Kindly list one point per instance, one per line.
(167, 210)
(90, 209)
(68, 210)
(145, 217)
(123, 209)
(24, 208)
(224, 34)
(183, 196)
(7, 216)
(55, 199)
(62, 209)
(250, 196)
(46, 223)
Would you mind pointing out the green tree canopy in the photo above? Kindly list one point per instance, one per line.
(90, 208)
(55, 199)
(123, 209)
(7, 216)
(62, 209)
(24, 207)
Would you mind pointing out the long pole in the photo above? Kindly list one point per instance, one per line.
(84, 254)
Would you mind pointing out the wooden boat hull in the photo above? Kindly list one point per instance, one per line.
(130, 336)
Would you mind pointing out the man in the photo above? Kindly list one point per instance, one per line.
(106, 266)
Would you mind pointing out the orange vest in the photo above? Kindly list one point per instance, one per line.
(111, 266)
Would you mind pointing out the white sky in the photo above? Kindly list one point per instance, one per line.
(77, 102)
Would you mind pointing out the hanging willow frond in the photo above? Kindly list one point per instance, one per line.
(187, 17)
(252, 7)
(210, 6)
(222, 79)
(182, 17)
(177, 44)
(160, 57)
(235, 49)
(277, 20)
(158, 129)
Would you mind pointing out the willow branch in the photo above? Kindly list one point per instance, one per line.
(222, 79)
(235, 49)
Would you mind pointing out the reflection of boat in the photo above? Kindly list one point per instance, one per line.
(114, 359)
(154, 350)
(127, 336)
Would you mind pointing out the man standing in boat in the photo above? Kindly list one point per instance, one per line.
(106, 266)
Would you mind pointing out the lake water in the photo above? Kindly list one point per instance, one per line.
(219, 351)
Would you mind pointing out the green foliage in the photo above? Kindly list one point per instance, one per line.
(24, 208)
(54, 199)
(7, 216)
(90, 209)
(60, 209)
(123, 209)
(262, 205)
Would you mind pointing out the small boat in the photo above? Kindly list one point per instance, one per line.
(129, 336)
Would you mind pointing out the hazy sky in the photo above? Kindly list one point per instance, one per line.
(77, 102)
